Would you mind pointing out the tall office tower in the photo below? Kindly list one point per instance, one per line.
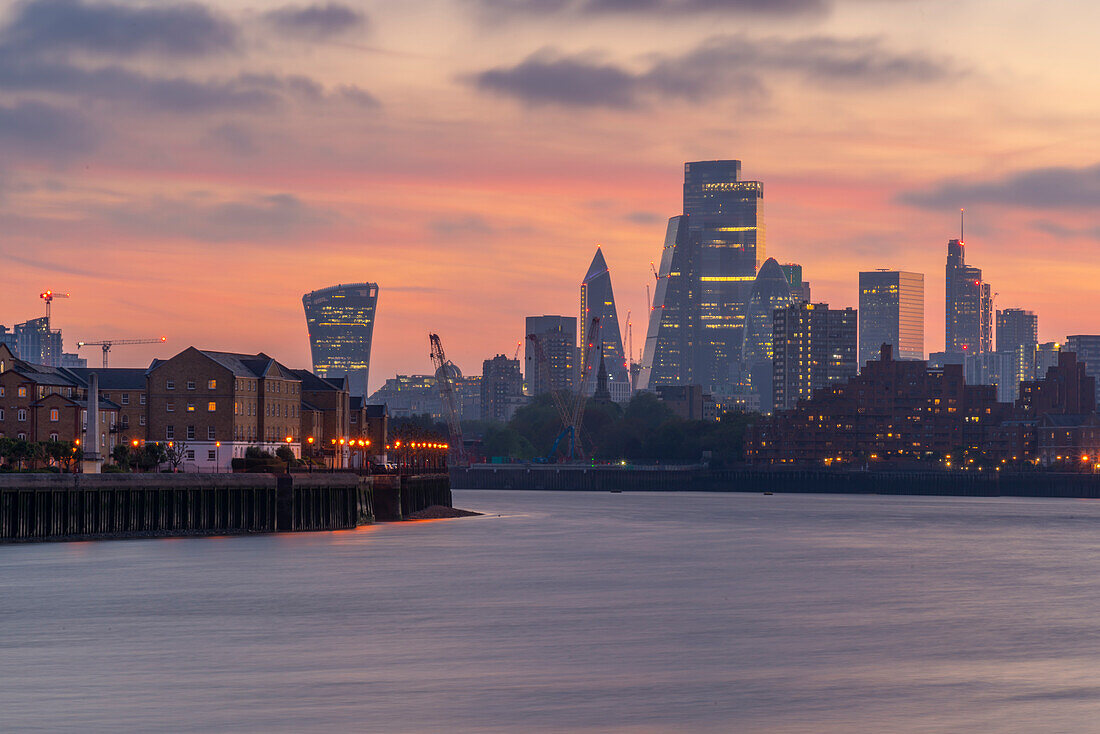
(501, 388)
(992, 368)
(969, 305)
(891, 311)
(1046, 356)
(708, 265)
(1087, 349)
(557, 336)
(38, 343)
(1017, 337)
(770, 291)
(813, 345)
(800, 289)
(7, 336)
(598, 299)
(340, 321)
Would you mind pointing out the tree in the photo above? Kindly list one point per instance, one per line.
(285, 453)
(151, 456)
(123, 455)
(175, 454)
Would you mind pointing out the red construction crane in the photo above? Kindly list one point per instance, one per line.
(106, 344)
(48, 296)
(444, 377)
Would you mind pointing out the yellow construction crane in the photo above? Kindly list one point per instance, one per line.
(106, 344)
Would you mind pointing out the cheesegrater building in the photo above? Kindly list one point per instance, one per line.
(708, 266)
(340, 321)
(598, 300)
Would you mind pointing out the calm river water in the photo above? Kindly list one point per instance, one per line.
(562, 612)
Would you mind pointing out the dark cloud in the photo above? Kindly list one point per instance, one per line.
(545, 79)
(1057, 229)
(719, 66)
(44, 131)
(1040, 188)
(643, 218)
(119, 85)
(315, 21)
(278, 218)
(177, 30)
(467, 225)
(232, 139)
(508, 8)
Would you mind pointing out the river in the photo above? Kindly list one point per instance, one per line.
(575, 612)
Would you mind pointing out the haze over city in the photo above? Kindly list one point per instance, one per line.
(468, 156)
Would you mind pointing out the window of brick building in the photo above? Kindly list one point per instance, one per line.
(211, 433)
(191, 432)
(190, 384)
(22, 414)
(211, 407)
(141, 420)
(141, 399)
(22, 392)
(124, 399)
(169, 407)
(55, 415)
(170, 385)
(169, 432)
(212, 385)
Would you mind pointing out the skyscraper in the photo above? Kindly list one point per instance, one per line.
(891, 311)
(1087, 349)
(501, 388)
(38, 343)
(969, 307)
(598, 299)
(340, 321)
(708, 266)
(813, 345)
(557, 336)
(770, 291)
(800, 289)
(1017, 337)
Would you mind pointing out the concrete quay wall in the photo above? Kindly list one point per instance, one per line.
(88, 506)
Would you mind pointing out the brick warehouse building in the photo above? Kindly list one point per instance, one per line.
(215, 404)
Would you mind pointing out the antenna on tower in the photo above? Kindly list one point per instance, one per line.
(962, 226)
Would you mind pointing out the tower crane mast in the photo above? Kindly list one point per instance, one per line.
(445, 381)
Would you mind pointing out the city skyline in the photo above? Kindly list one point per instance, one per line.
(418, 164)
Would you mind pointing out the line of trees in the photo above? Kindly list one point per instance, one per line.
(17, 454)
(645, 430)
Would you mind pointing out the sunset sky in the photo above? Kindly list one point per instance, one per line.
(191, 170)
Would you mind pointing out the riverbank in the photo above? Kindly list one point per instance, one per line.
(564, 477)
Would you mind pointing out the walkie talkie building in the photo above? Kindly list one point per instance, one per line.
(340, 320)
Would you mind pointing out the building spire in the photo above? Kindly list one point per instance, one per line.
(962, 226)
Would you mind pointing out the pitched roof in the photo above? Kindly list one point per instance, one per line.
(112, 378)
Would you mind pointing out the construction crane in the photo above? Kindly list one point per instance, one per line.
(106, 344)
(516, 355)
(444, 377)
(48, 296)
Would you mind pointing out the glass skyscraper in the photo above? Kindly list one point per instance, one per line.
(598, 299)
(1017, 339)
(770, 290)
(340, 321)
(891, 311)
(969, 307)
(708, 266)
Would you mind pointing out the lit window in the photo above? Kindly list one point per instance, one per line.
(55, 415)
(190, 407)
(212, 385)
(22, 392)
(211, 407)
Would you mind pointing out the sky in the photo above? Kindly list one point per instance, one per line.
(191, 169)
